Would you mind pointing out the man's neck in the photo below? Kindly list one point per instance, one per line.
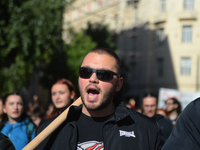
(99, 113)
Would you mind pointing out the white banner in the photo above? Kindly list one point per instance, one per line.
(183, 97)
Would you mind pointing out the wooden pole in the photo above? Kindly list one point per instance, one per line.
(50, 128)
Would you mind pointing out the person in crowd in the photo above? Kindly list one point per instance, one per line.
(131, 103)
(50, 109)
(173, 107)
(186, 133)
(2, 114)
(149, 107)
(17, 126)
(36, 113)
(103, 121)
(63, 94)
(1, 109)
(162, 112)
(5, 143)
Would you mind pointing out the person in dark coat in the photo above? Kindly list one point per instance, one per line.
(103, 122)
(186, 133)
(149, 108)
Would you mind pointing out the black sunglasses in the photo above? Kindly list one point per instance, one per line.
(103, 75)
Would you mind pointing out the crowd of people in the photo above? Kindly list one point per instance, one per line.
(102, 121)
(166, 118)
(20, 124)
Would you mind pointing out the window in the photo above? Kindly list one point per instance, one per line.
(188, 4)
(160, 63)
(116, 21)
(185, 66)
(89, 7)
(74, 13)
(105, 2)
(187, 34)
(161, 35)
(162, 5)
(69, 18)
(136, 14)
(95, 5)
(100, 3)
(78, 11)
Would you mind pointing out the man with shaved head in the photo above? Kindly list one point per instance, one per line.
(103, 122)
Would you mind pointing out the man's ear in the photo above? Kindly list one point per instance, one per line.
(119, 84)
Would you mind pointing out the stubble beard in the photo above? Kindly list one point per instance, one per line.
(107, 98)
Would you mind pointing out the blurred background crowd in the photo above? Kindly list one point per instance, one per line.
(43, 42)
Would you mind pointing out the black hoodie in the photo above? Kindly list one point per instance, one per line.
(186, 134)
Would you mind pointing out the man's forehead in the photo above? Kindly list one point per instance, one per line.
(169, 100)
(98, 58)
(149, 100)
(95, 54)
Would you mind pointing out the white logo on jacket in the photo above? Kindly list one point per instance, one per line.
(126, 133)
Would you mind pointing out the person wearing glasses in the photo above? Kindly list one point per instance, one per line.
(173, 107)
(149, 108)
(103, 122)
(186, 133)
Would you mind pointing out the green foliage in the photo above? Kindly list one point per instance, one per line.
(66, 63)
(75, 51)
(30, 40)
(95, 35)
(100, 34)
(30, 33)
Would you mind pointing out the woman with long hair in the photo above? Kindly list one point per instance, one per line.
(173, 107)
(2, 114)
(63, 94)
(17, 126)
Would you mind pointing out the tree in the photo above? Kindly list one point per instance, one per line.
(30, 33)
(75, 53)
(95, 35)
(100, 34)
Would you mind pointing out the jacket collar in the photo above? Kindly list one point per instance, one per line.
(120, 113)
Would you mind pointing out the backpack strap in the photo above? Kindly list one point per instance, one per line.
(29, 130)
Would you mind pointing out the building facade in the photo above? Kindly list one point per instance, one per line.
(158, 40)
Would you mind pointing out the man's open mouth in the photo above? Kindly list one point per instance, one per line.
(92, 91)
(92, 94)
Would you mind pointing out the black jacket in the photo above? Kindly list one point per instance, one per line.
(147, 133)
(186, 133)
(165, 125)
(5, 143)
